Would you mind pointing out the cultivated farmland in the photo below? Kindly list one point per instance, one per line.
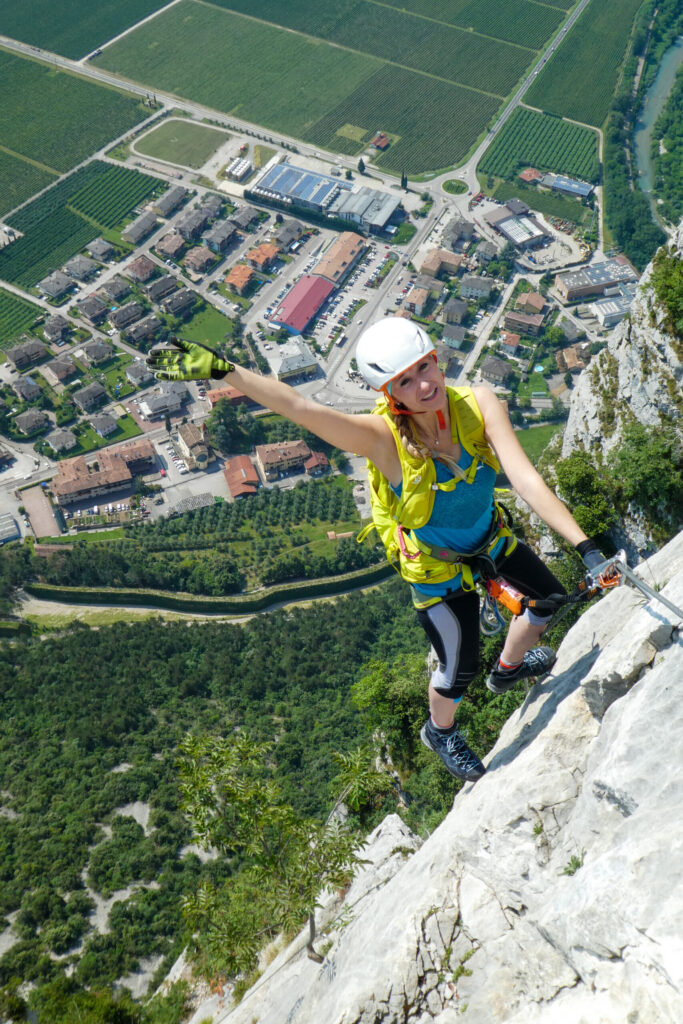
(73, 29)
(524, 22)
(580, 79)
(58, 119)
(63, 220)
(16, 315)
(530, 139)
(434, 131)
(19, 180)
(433, 77)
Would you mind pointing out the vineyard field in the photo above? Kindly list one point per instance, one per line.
(63, 220)
(73, 29)
(16, 316)
(433, 77)
(434, 132)
(526, 23)
(580, 80)
(59, 119)
(113, 194)
(19, 180)
(530, 139)
(298, 79)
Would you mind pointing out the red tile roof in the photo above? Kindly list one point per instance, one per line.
(302, 303)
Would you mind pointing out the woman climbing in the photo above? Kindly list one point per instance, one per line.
(433, 454)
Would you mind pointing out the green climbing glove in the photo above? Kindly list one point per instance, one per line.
(187, 360)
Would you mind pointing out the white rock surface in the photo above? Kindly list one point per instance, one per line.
(483, 923)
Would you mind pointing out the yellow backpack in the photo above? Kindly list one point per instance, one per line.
(394, 518)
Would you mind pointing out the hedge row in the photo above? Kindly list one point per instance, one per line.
(235, 605)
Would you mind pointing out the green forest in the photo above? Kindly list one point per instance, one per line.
(92, 721)
(667, 154)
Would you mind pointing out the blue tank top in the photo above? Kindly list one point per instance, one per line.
(461, 519)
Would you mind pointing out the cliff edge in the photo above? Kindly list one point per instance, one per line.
(551, 891)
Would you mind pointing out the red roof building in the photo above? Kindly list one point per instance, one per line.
(232, 395)
(302, 303)
(241, 476)
(531, 174)
(380, 141)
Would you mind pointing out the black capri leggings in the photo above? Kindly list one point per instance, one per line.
(452, 625)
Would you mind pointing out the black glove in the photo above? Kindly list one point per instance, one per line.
(187, 360)
(590, 554)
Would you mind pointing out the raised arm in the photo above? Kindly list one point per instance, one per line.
(523, 476)
(364, 434)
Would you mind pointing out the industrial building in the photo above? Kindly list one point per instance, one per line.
(341, 257)
(594, 280)
(302, 303)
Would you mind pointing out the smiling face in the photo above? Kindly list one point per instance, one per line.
(421, 387)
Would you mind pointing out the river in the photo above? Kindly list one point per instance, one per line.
(652, 106)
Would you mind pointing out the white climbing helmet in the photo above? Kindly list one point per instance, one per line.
(389, 347)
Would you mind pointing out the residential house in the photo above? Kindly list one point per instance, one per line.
(193, 446)
(26, 353)
(90, 396)
(26, 389)
(439, 260)
(171, 245)
(485, 252)
(126, 315)
(276, 459)
(457, 233)
(92, 309)
(141, 269)
(288, 232)
(191, 224)
(76, 480)
(220, 236)
(144, 329)
(495, 370)
(239, 278)
(230, 394)
(61, 440)
(199, 259)
(103, 424)
(101, 250)
(170, 201)
(180, 301)
(55, 285)
(454, 335)
(81, 268)
(139, 229)
(159, 289)
(416, 300)
(573, 358)
(56, 328)
(171, 395)
(138, 373)
(454, 311)
(316, 464)
(59, 370)
(473, 287)
(263, 256)
(211, 205)
(241, 476)
(115, 289)
(530, 302)
(526, 323)
(31, 421)
(97, 352)
(509, 343)
(293, 359)
(244, 217)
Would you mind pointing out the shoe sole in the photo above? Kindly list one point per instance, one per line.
(460, 777)
(494, 688)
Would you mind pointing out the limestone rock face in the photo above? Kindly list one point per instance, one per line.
(638, 375)
(551, 892)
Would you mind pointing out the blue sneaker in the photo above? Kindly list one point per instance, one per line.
(537, 662)
(460, 761)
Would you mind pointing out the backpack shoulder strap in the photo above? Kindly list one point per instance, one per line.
(467, 419)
